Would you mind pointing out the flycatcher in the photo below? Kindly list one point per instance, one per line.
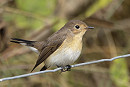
(60, 49)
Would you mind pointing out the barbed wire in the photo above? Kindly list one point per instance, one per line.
(57, 69)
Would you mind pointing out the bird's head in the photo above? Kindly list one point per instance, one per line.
(77, 27)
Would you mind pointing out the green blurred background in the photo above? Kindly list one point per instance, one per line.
(38, 19)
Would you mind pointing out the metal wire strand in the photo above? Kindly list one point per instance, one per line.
(57, 69)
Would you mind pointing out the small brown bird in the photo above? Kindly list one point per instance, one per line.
(60, 49)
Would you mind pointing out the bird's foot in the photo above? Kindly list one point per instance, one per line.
(68, 67)
(62, 68)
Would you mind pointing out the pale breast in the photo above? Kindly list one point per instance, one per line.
(66, 54)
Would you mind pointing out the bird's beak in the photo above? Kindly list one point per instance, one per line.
(90, 27)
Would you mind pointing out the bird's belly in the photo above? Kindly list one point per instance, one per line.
(63, 57)
(66, 54)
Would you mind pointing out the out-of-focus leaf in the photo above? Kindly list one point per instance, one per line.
(38, 7)
(42, 7)
(60, 24)
(99, 4)
(23, 21)
(119, 73)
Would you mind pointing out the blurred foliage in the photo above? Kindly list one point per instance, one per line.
(119, 73)
(41, 8)
(99, 4)
(59, 25)
(37, 19)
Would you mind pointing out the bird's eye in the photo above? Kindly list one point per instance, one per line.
(77, 26)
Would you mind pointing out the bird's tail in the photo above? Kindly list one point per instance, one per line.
(30, 44)
(23, 42)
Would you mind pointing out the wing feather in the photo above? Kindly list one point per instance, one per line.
(51, 45)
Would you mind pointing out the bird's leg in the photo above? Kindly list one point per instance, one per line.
(63, 68)
(68, 67)
(58, 66)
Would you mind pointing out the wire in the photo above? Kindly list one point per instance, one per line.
(57, 69)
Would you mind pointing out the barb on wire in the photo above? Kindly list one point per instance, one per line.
(57, 69)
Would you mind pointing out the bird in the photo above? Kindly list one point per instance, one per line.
(61, 49)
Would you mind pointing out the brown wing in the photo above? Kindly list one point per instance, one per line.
(52, 43)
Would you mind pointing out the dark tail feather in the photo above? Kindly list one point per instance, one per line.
(34, 68)
(20, 41)
(43, 68)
